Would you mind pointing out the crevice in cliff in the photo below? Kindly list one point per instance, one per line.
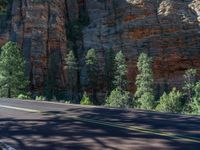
(117, 17)
(74, 34)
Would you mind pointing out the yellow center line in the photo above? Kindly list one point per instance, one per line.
(116, 125)
(142, 130)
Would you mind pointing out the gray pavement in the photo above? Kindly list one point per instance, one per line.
(31, 125)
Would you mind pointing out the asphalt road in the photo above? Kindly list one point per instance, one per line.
(31, 125)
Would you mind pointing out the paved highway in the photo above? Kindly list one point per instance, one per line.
(31, 125)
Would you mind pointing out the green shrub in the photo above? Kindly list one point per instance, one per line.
(194, 105)
(86, 100)
(68, 102)
(40, 98)
(119, 98)
(23, 96)
(170, 102)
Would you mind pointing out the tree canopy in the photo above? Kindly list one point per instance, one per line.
(12, 76)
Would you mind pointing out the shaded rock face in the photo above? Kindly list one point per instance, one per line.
(168, 30)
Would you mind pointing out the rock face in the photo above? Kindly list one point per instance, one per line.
(168, 30)
(39, 29)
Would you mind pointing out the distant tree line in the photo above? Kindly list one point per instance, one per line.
(13, 82)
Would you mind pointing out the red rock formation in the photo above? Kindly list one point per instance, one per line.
(39, 28)
(166, 29)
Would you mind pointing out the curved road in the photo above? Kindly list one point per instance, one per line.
(31, 125)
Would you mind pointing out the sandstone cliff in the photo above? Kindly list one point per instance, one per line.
(169, 30)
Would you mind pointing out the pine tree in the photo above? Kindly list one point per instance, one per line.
(72, 68)
(12, 71)
(109, 69)
(144, 83)
(119, 97)
(92, 73)
(120, 79)
(189, 84)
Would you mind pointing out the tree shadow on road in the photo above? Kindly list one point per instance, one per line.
(57, 131)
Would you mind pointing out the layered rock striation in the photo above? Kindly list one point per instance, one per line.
(168, 30)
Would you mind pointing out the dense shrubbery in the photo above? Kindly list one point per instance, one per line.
(171, 102)
(119, 98)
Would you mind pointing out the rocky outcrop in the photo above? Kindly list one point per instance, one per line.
(168, 30)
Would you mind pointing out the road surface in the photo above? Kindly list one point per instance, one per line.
(31, 125)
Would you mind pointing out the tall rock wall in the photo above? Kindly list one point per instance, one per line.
(39, 29)
(168, 30)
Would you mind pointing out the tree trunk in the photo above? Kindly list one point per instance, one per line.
(9, 92)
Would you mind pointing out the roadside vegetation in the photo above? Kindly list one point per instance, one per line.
(185, 100)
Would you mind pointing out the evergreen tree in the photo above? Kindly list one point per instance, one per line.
(119, 97)
(109, 69)
(170, 102)
(92, 73)
(189, 84)
(144, 83)
(120, 79)
(12, 67)
(72, 68)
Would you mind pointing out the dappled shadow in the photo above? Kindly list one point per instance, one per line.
(57, 130)
(61, 126)
(179, 124)
(53, 133)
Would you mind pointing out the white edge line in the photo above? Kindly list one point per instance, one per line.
(20, 108)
